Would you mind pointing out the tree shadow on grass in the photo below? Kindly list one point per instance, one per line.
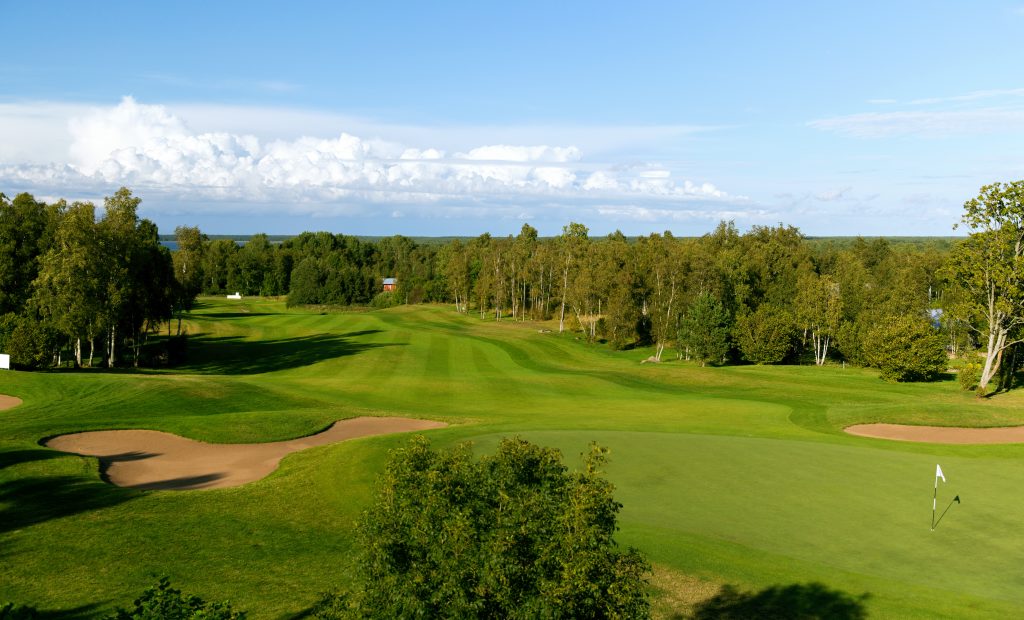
(10, 458)
(19, 612)
(38, 499)
(803, 601)
(232, 355)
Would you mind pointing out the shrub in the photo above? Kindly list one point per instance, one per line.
(969, 376)
(32, 343)
(514, 535)
(162, 602)
(905, 348)
(386, 299)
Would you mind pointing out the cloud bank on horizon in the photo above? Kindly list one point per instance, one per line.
(148, 147)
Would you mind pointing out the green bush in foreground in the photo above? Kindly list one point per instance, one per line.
(514, 535)
(162, 602)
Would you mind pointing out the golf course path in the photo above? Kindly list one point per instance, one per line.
(6, 402)
(939, 434)
(142, 459)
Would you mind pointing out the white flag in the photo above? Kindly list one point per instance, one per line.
(938, 473)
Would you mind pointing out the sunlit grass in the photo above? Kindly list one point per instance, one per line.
(736, 475)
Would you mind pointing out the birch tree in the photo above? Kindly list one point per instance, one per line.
(71, 280)
(819, 310)
(989, 265)
(571, 243)
(454, 259)
(660, 257)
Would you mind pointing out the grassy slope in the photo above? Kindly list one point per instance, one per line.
(737, 475)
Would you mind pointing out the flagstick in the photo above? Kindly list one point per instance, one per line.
(935, 495)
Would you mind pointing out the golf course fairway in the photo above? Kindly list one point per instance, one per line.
(738, 475)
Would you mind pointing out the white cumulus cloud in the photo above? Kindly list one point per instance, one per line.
(149, 147)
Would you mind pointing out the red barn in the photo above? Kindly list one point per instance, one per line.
(390, 284)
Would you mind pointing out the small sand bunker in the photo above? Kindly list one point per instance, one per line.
(939, 434)
(6, 402)
(142, 459)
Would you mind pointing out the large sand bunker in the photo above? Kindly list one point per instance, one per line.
(6, 402)
(155, 460)
(939, 434)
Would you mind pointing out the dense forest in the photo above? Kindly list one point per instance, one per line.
(73, 285)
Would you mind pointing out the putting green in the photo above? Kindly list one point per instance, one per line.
(739, 475)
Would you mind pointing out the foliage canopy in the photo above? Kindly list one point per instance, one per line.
(989, 266)
(513, 535)
(905, 348)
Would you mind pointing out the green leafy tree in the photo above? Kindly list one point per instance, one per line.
(513, 535)
(905, 348)
(989, 265)
(188, 268)
(307, 282)
(33, 341)
(765, 336)
(71, 283)
(149, 291)
(249, 266)
(454, 260)
(218, 261)
(772, 260)
(571, 245)
(621, 313)
(704, 329)
(26, 232)
(523, 251)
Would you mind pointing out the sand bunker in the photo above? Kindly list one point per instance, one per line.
(6, 402)
(154, 460)
(939, 434)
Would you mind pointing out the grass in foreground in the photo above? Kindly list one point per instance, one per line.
(736, 475)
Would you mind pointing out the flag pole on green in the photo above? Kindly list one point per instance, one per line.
(935, 493)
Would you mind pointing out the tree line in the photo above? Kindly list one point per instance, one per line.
(766, 296)
(74, 284)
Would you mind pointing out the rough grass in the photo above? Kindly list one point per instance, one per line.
(733, 476)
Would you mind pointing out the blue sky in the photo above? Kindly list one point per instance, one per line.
(458, 118)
